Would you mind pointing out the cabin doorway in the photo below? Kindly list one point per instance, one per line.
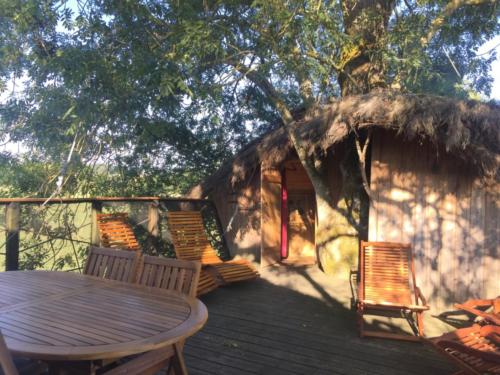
(298, 215)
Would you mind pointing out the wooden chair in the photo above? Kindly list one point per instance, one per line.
(486, 309)
(191, 243)
(172, 274)
(152, 362)
(9, 367)
(386, 283)
(112, 264)
(476, 349)
(116, 231)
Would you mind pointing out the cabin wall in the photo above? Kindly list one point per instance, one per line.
(239, 213)
(433, 201)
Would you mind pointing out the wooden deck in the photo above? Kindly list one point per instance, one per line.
(288, 322)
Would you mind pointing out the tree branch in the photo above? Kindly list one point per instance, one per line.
(268, 89)
(362, 151)
(448, 10)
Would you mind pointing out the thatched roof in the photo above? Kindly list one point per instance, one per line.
(469, 129)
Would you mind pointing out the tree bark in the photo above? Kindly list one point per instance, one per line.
(365, 23)
(336, 233)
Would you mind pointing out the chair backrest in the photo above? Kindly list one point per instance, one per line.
(172, 274)
(190, 238)
(6, 361)
(115, 231)
(387, 273)
(112, 264)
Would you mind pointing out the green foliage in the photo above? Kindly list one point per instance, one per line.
(152, 95)
(146, 97)
(23, 176)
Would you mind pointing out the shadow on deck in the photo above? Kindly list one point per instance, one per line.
(288, 322)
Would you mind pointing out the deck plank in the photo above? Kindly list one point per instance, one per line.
(270, 327)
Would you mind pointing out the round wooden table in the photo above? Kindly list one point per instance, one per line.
(69, 316)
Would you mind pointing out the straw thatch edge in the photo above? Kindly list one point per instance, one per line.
(466, 128)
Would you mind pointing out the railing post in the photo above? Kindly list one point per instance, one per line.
(12, 220)
(153, 242)
(221, 230)
(95, 240)
(153, 219)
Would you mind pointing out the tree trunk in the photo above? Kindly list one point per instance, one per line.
(343, 222)
(336, 236)
(338, 218)
(365, 23)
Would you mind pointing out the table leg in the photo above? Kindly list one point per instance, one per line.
(178, 363)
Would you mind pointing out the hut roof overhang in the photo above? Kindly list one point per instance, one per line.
(466, 128)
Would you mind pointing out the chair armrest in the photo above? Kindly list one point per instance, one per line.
(470, 307)
(390, 305)
(420, 296)
(475, 303)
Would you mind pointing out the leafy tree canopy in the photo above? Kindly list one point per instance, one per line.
(154, 94)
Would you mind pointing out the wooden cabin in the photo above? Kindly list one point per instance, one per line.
(434, 184)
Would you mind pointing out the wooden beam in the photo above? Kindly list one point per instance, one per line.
(101, 199)
(12, 220)
(154, 219)
(153, 240)
(227, 253)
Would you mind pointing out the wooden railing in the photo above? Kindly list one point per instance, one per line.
(155, 206)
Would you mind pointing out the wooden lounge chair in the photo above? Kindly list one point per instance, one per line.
(114, 234)
(171, 274)
(386, 283)
(18, 367)
(191, 243)
(486, 309)
(476, 349)
(112, 264)
(116, 231)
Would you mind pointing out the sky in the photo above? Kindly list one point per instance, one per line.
(493, 44)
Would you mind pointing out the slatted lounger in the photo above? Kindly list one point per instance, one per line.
(387, 283)
(476, 349)
(191, 243)
(116, 232)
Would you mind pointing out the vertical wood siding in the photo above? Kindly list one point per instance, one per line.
(239, 212)
(432, 200)
(270, 217)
